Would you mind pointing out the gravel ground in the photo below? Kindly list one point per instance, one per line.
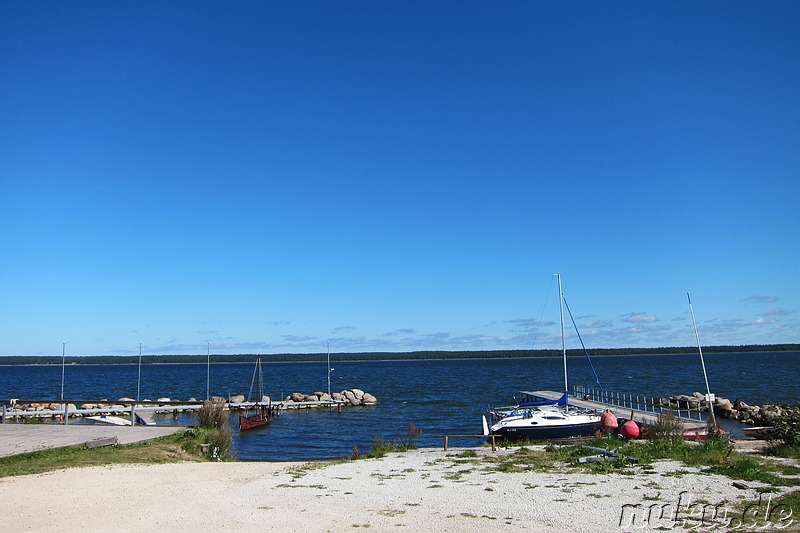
(421, 490)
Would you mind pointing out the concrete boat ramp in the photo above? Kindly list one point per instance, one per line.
(24, 438)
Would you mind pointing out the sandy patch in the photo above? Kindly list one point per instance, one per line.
(422, 490)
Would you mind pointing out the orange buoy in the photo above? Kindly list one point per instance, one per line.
(608, 421)
(630, 430)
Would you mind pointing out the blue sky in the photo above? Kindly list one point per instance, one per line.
(268, 176)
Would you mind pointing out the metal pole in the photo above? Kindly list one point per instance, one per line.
(208, 370)
(329, 368)
(139, 380)
(63, 362)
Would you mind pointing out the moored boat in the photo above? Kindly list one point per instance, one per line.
(263, 413)
(542, 420)
(758, 432)
(698, 433)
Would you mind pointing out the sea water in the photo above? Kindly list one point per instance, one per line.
(438, 397)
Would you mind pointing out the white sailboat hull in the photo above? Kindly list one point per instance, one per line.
(546, 424)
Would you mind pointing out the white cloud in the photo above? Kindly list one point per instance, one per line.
(404, 331)
(638, 318)
(598, 324)
(777, 312)
(298, 338)
(530, 323)
(761, 299)
(760, 321)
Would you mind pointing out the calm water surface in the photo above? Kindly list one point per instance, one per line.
(439, 397)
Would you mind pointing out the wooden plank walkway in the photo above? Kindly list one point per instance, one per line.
(25, 438)
(621, 412)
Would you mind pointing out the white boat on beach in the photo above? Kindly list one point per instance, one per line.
(758, 432)
(111, 420)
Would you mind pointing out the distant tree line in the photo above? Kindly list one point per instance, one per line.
(379, 356)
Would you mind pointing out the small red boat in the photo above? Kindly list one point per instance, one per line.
(698, 433)
(262, 417)
(263, 413)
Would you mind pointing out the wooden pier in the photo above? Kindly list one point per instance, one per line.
(621, 411)
(137, 412)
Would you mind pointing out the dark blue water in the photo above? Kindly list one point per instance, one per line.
(439, 397)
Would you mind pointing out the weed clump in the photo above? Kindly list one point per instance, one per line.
(214, 434)
(667, 427)
(380, 447)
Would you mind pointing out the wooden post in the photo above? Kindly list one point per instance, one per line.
(494, 442)
(66, 414)
(446, 438)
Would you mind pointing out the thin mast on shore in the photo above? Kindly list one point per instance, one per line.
(139, 380)
(63, 362)
(329, 368)
(709, 396)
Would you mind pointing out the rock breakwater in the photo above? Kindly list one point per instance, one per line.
(757, 415)
(165, 405)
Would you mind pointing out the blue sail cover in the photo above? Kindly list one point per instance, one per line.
(560, 402)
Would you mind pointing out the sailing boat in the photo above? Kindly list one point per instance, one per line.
(553, 419)
(263, 413)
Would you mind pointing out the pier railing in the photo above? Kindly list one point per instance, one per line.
(638, 402)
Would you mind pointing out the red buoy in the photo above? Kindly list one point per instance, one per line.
(630, 430)
(608, 421)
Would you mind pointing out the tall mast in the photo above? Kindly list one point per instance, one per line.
(139, 379)
(329, 368)
(563, 335)
(63, 363)
(709, 396)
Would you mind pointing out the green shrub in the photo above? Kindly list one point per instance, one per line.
(787, 426)
(213, 415)
(215, 431)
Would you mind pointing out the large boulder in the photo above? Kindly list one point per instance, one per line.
(324, 397)
(358, 393)
(338, 397)
(349, 395)
(126, 400)
(164, 400)
(237, 398)
(369, 399)
(217, 399)
(298, 397)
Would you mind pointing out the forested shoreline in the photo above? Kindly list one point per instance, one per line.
(380, 356)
